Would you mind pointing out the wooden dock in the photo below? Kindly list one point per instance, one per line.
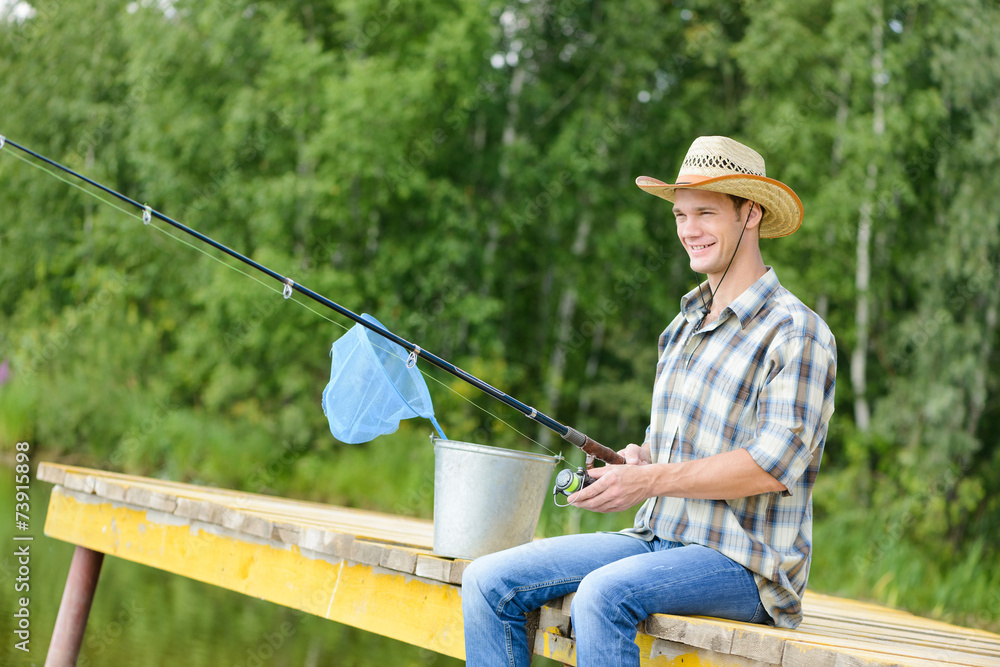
(377, 572)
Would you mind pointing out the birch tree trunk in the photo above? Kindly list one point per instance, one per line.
(564, 330)
(862, 276)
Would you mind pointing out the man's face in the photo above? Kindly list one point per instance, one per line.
(709, 228)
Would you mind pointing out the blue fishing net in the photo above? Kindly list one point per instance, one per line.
(372, 387)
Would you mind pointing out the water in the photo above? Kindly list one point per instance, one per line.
(143, 616)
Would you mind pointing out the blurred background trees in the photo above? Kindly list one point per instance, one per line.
(465, 171)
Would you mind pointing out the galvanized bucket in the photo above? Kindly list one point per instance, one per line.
(486, 499)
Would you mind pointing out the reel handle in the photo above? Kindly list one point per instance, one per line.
(592, 447)
(606, 454)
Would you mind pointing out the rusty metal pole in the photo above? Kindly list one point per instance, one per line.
(74, 608)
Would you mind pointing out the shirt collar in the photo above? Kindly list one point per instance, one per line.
(744, 307)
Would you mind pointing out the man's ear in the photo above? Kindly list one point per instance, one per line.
(756, 214)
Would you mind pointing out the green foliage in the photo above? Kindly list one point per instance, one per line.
(464, 171)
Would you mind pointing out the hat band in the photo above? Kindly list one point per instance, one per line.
(692, 179)
(720, 162)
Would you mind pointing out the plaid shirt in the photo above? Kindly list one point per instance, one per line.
(761, 378)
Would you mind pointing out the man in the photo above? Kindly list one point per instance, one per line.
(742, 399)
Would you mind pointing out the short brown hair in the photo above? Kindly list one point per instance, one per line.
(737, 202)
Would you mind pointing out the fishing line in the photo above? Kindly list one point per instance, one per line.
(147, 218)
(159, 229)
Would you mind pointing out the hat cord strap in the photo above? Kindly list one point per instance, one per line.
(707, 308)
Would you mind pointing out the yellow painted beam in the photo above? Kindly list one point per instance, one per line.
(361, 596)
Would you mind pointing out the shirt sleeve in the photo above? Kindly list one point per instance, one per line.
(794, 408)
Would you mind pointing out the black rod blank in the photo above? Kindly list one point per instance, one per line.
(577, 438)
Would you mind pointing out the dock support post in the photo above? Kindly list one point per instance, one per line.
(74, 608)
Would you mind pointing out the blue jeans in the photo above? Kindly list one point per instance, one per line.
(619, 581)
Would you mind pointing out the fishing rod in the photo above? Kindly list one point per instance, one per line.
(590, 446)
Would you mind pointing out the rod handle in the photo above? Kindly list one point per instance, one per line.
(594, 448)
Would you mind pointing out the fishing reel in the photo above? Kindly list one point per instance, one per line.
(568, 481)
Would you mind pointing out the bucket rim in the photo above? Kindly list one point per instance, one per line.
(495, 451)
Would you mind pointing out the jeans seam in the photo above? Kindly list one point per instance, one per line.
(508, 638)
(622, 649)
(708, 574)
(509, 644)
(521, 589)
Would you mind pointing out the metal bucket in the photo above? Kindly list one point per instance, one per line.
(486, 499)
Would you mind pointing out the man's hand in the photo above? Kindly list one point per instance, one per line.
(636, 455)
(617, 487)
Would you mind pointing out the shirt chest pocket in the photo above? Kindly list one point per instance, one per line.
(736, 411)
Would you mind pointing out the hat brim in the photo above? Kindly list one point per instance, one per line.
(783, 209)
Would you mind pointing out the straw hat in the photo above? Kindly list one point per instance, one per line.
(722, 165)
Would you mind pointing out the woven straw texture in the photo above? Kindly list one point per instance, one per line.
(722, 165)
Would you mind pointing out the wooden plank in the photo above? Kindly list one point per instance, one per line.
(246, 523)
(809, 655)
(142, 496)
(402, 530)
(899, 630)
(822, 648)
(285, 533)
(204, 511)
(819, 607)
(79, 481)
(437, 568)
(400, 559)
(369, 553)
(320, 540)
(50, 472)
(554, 621)
(697, 632)
(553, 645)
(110, 490)
(681, 654)
(457, 568)
(753, 645)
(888, 634)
